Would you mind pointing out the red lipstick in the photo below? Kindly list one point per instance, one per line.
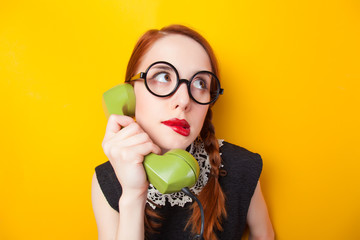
(180, 126)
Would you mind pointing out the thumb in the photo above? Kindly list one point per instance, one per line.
(156, 149)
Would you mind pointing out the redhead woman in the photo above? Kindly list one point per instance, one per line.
(178, 116)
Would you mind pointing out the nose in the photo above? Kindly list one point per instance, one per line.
(181, 98)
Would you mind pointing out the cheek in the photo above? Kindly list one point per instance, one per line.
(199, 116)
(146, 105)
(140, 106)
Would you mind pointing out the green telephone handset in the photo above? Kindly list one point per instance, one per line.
(168, 173)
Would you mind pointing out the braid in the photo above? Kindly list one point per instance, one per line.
(211, 196)
(152, 221)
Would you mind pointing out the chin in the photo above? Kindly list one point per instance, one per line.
(174, 143)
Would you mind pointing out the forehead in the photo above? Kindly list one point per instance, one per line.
(187, 55)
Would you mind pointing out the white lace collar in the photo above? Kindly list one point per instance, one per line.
(155, 198)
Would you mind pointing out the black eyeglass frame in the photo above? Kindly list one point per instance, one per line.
(142, 75)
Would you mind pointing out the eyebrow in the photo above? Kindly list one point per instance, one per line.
(164, 67)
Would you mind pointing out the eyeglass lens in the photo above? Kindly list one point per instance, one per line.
(162, 80)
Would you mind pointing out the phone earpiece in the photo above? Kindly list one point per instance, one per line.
(168, 173)
(119, 100)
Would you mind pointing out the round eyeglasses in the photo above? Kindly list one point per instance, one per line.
(162, 80)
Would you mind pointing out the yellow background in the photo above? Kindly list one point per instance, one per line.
(290, 70)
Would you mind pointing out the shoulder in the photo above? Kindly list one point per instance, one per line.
(239, 176)
(235, 155)
(109, 184)
(106, 217)
(240, 165)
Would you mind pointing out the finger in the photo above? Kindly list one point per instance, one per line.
(121, 138)
(133, 141)
(136, 139)
(156, 149)
(143, 138)
(115, 123)
(146, 148)
(131, 130)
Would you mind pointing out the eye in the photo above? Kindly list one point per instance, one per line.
(162, 77)
(200, 83)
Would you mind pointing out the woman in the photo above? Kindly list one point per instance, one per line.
(125, 206)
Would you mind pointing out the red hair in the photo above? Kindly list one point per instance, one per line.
(211, 196)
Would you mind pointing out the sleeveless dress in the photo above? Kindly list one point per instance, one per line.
(240, 172)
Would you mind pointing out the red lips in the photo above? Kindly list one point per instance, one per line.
(180, 126)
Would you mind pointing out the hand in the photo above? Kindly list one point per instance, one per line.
(125, 144)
